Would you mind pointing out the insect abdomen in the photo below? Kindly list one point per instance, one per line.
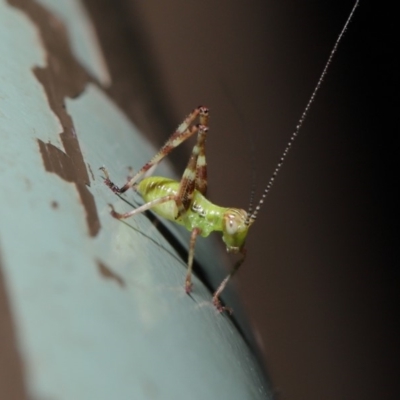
(155, 187)
(201, 214)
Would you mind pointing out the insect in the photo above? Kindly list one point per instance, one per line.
(185, 202)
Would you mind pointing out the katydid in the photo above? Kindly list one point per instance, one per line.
(185, 202)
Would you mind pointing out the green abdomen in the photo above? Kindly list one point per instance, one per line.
(155, 187)
(201, 214)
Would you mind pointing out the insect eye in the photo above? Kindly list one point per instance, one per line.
(231, 225)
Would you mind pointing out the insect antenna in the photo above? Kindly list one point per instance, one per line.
(252, 215)
(253, 173)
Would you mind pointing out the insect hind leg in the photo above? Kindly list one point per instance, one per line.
(201, 164)
(183, 132)
(190, 179)
(142, 208)
(195, 175)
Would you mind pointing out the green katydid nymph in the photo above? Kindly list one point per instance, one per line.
(185, 202)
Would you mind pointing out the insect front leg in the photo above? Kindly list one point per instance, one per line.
(221, 287)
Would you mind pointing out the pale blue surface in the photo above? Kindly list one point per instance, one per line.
(82, 35)
(82, 336)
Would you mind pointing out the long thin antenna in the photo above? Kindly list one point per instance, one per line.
(253, 216)
(253, 174)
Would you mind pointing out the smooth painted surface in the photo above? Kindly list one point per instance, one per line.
(102, 317)
(82, 35)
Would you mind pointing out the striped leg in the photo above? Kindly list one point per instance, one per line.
(194, 178)
(189, 180)
(201, 164)
(195, 175)
(184, 131)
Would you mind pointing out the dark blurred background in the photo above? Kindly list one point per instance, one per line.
(321, 280)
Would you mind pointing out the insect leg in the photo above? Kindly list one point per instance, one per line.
(142, 208)
(183, 132)
(188, 281)
(201, 164)
(223, 284)
(187, 184)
